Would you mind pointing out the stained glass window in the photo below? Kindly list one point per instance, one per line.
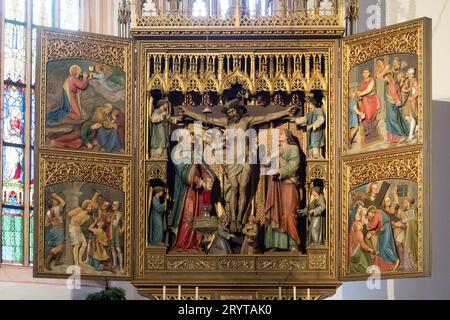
(32, 181)
(43, 12)
(15, 10)
(15, 53)
(13, 183)
(31, 235)
(70, 14)
(13, 113)
(22, 17)
(12, 236)
(33, 116)
(33, 56)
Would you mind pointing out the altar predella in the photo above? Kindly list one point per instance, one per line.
(255, 150)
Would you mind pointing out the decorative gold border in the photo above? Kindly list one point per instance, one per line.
(55, 169)
(410, 162)
(330, 33)
(166, 268)
(116, 52)
(310, 22)
(358, 172)
(404, 38)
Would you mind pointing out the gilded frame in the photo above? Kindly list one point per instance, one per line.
(55, 169)
(409, 162)
(155, 268)
(409, 37)
(55, 166)
(113, 51)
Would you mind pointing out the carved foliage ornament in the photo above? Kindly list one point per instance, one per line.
(403, 166)
(108, 172)
(56, 169)
(191, 264)
(317, 261)
(402, 40)
(155, 261)
(266, 264)
(114, 53)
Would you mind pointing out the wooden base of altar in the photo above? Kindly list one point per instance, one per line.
(238, 291)
(246, 277)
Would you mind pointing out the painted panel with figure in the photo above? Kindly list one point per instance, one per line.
(84, 226)
(386, 89)
(85, 106)
(84, 93)
(386, 141)
(84, 219)
(383, 103)
(383, 227)
(385, 216)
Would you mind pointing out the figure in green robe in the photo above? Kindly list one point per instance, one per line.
(315, 126)
(283, 199)
(316, 212)
(360, 257)
(160, 120)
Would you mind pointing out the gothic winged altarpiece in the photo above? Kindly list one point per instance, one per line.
(347, 117)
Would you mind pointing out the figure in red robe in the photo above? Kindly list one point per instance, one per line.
(70, 109)
(369, 103)
(192, 191)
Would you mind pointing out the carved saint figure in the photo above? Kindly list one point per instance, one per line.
(354, 117)
(250, 233)
(100, 255)
(282, 200)
(108, 135)
(396, 126)
(380, 70)
(160, 120)
(410, 110)
(379, 231)
(316, 210)
(359, 252)
(195, 190)
(405, 233)
(107, 83)
(156, 225)
(78, 217)
(315, 126)
(118, 230)
(87, 137)
(238, 174)
(221, 242)
(369, 103)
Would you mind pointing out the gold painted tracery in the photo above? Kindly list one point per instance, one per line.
(268, 66)
(256, 72)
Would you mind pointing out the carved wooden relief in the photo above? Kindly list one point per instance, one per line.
(386, 141)
(84, 142)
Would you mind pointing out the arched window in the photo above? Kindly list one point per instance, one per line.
(18, 27)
